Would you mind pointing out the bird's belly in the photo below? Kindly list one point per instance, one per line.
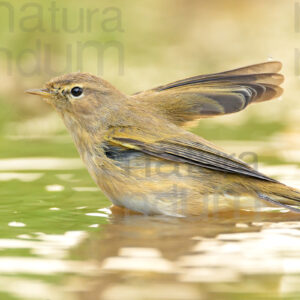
(155, 186)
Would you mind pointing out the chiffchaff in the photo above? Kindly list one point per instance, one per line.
(138, 153)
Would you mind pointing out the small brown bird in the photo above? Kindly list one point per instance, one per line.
(138, 153)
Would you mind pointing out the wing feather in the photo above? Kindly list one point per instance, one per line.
(189, 149)
(215, 94)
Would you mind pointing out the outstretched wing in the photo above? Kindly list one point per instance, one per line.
(215, 94)
(184, 147)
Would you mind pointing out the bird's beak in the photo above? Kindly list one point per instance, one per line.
(46, 93)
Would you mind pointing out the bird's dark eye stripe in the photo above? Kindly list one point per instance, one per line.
(76, 91)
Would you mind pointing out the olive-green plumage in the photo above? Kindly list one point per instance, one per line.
(139, 154)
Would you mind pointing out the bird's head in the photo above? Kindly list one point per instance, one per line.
(78, 94)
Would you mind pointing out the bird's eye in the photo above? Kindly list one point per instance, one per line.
(76, 91)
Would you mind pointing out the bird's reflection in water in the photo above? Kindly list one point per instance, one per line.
(159, 257)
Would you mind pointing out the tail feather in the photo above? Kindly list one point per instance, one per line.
(283, 196)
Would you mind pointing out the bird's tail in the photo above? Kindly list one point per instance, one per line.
(281, 195)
